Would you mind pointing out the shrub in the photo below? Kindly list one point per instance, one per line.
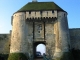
(17, 56)
(66, 56)
(4, 56)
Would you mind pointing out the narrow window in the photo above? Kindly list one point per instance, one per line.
(52, 11)
(47, 13)
(41, 13)
(64, 15)
(35, 13)
(29, 12)
(38, 31)
(12, 20)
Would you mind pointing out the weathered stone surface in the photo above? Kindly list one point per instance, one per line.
(18, 38)
(4, 43)
(62, 35)
(75, 38)
(50, 39)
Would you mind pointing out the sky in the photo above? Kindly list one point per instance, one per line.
(8, 7)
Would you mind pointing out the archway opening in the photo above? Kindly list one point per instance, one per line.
(41, 48)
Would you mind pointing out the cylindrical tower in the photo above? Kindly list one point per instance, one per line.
(63, 31)
(18, 37)
(62, 44)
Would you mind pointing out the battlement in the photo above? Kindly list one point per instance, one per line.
(38, 14)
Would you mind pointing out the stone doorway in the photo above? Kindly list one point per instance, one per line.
(35, 44)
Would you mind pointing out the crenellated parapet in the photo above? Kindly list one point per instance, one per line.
(39, 14)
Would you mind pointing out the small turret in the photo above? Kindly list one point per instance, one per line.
(34, 0)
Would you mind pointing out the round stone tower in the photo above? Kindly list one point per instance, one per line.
(18, 38)
(62, 39)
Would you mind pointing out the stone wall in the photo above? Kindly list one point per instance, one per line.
(39, 31)
(75, 38)
(49, 38)
(19, 33)
(29, 36)
(4, 43)
(63, 31)
(19, 44)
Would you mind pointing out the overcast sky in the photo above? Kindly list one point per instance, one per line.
(8, 7)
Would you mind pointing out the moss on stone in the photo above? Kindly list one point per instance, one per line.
(17, 56)
(6, 48)
(65, 56)
(40, 6)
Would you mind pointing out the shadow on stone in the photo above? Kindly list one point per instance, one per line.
(76, 54)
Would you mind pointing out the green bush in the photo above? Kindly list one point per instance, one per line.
(17, 56)
(76, 54)
(66, 56)
(4, 56)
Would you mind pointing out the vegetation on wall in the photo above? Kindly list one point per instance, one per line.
(40, 6)
(66, 56)
(1, 38)
(17, 56)
(6, 48)
(76, 54)
(3, 56)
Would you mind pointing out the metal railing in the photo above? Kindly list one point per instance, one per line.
(45, 57)
(31, 58)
